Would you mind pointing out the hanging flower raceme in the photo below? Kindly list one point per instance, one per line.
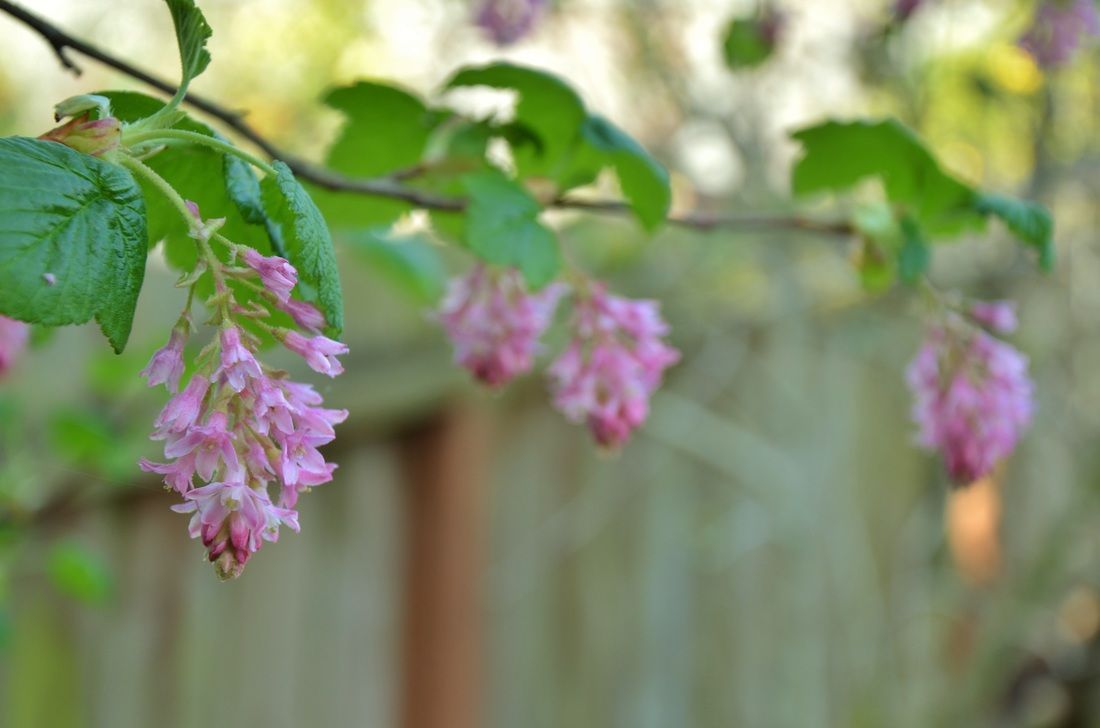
(239, 425)
(13, 339)
(495, 324)
(613, 365)
(1059, 29)
(507, 21)
(973, 396)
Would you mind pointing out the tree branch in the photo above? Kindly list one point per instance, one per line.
(390, 186)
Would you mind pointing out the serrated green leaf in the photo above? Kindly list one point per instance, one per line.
(80, 573)
(199, 174)
(1029, 221)
(838, 155)
(74, 220)
(643, 180)
(308, 243)
(547, 105)
(243, 187)
(192, 32)
(502, 227)
(411, 263)
(745, 44)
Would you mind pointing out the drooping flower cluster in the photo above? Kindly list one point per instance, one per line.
(606, 375)
(1059, 29)
(240, 426)
(507, 21)
(613, 365)
(13, 339)
(495, 323)
(973, 396)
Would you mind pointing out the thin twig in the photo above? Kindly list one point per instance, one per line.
(389, 186)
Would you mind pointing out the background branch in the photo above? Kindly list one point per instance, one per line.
(388, 186)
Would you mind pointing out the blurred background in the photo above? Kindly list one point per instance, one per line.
(770, 550)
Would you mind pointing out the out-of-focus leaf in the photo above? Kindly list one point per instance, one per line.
(1029, 221)
(410, 263)
(746, 43)
(80, 573)
(644, 181)
(914, 256)
(502, 227)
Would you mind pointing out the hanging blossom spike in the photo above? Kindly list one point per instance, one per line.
(495, 324)
(13, 340)
(613, 365)
(240, 427)
(973, 398)
(508, 21)
(1059, 29)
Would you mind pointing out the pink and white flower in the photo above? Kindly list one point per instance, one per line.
(614, 364)
(973, 398)
(495, 324)
(320, 352)
(238, 366)
(276, 274)
(166, 365)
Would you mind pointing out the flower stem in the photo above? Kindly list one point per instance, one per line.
(155, 135)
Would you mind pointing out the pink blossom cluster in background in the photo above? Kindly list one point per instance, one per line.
(613, 364)
(973, 396)
(1059, 29)
(240, 426)
(495, 323)
(13, 340)
(507, 21)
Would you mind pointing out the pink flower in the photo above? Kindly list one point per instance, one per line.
(972, 397)
(233, 520)
(277, 274)
(613, 366)
(494, 324)
(182, 411)
(210, 444)
(304, 314)
(13, 340)
(166, 366)
(179, 476)
(320, 352)
(237, 363)
(1058, 30)
(998, 316)
(507, 21)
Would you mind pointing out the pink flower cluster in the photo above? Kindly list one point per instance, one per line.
(240, 426)
(606, 375)
(613, 365)
(495, 324)
(973, 396)
(507, 21)
(13, 339)
(1059, 28)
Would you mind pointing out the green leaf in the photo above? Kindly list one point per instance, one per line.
(547, 105)
(243, 187)
(410, 263)
(74, 219)
(643, 180)
(502, 227)
(386, 129)
(192, 32)
(914, 256)
(1029, 221)
(838, 155)
(80, 573)
(746, 43)
(199, 174)
(308, 243)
